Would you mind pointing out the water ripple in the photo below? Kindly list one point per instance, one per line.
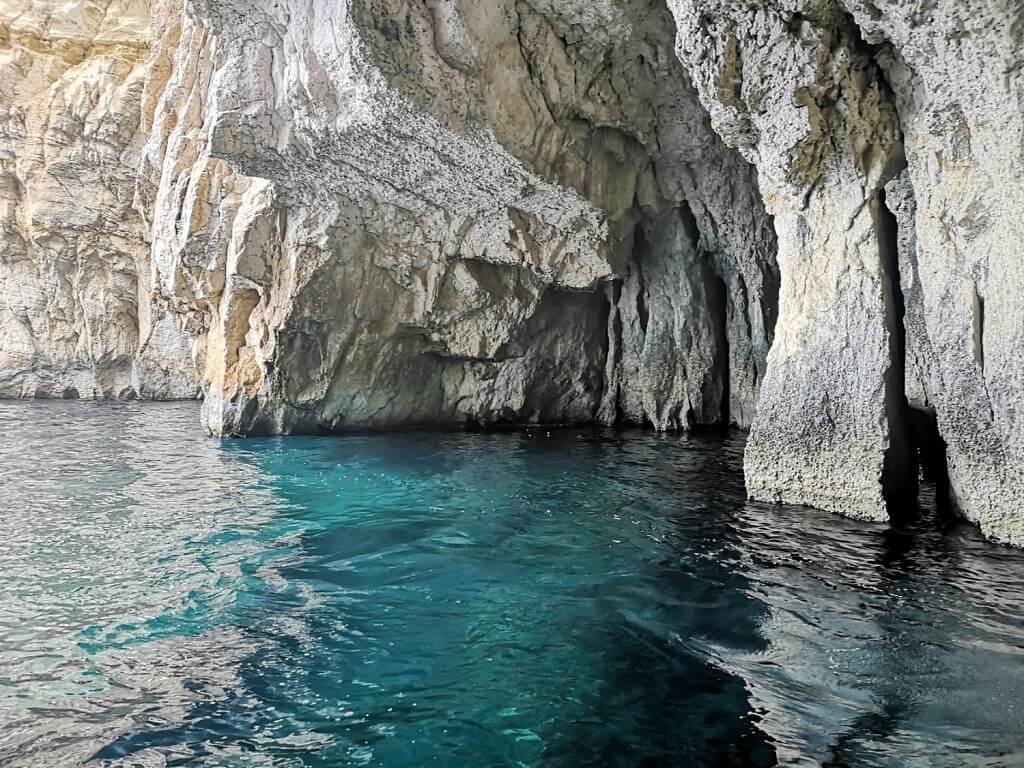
(475, 600)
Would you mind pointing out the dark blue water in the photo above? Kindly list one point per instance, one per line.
(573, 599)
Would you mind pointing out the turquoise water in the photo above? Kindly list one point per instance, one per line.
(572, 599)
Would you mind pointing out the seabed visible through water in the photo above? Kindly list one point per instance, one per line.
(515, 599)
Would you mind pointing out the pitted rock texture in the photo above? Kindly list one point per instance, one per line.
(958, 73)
(804, 99)
(76, 317)
(830, 100)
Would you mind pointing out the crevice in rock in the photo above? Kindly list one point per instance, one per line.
(614, 293)
(978, 329)
(930, 452)
(690, 224)
(716, 298)
(716, 294)
(772, 285)
(899, 468)
(606, 405)
(640, 249)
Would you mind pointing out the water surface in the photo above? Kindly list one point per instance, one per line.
(525, 599)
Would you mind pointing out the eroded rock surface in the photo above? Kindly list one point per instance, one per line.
(457, 213)
(830, 100)
(958, 73)
(76, 315)
(804, 99)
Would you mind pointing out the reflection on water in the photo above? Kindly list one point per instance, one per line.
(474, 600)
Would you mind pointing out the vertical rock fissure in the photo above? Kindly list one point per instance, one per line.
(927, 444)
(978, 329)
(716, 301)
(640, 248)
(718, 308)
(930, 450)
(609, 408)
(899, 468)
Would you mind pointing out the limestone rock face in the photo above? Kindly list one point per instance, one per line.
(460, 212)
(76, 316)
(804, 99)
(906, 294)
(957, 70)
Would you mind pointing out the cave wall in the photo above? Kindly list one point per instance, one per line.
(888, 143)
(449, 201)
(804, 99)
(800, 217)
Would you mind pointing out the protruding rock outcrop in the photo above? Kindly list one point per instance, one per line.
(804, 99)
(827, 99)
(447, 214)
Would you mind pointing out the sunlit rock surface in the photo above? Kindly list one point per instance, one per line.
(76, 315)
(458, 214)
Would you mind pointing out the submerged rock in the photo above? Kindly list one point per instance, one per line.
(348, 215)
